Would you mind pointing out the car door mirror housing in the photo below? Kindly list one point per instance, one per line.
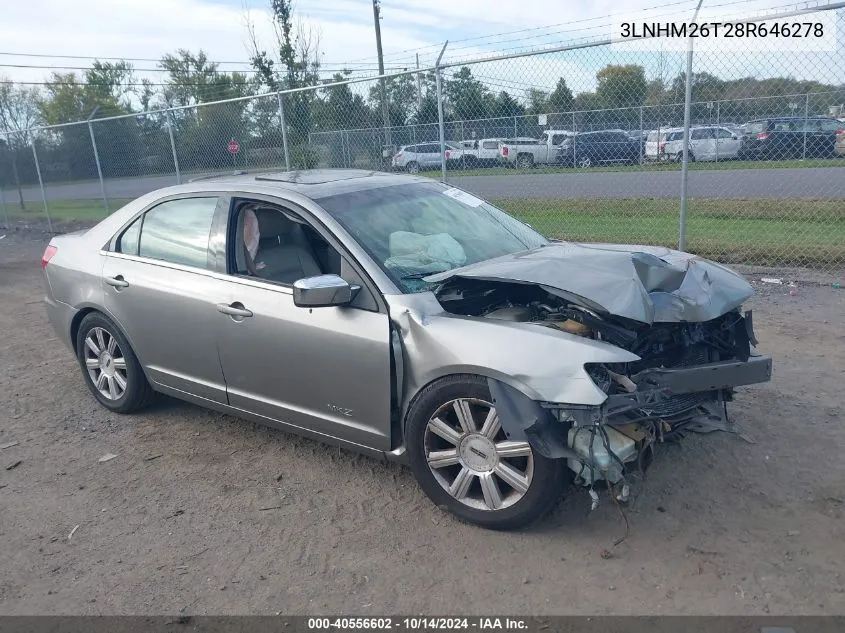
(323, 291)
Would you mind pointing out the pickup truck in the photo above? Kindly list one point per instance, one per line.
(527, 154)
(474, 153)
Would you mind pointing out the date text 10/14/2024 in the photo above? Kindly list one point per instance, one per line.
(417, 623)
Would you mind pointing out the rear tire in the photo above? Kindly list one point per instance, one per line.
(109, 366)
(524, 161)
(465, 464)
(413, 167)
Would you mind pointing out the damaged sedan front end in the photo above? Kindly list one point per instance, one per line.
(679, 317)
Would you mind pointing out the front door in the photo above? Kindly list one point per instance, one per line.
(326, 370)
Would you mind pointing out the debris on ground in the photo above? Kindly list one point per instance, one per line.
(72, 532)
(8, 445)
(107, 457)
(152, 457)
(14, 465)
(771, 280)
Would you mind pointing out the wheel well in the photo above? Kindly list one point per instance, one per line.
(76, 322)
(443, 378)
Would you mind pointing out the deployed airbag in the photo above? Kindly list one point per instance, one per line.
(415, 252)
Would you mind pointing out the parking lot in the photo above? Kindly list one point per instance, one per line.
(204, 513)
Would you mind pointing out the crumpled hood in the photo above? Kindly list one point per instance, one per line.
(643, 283)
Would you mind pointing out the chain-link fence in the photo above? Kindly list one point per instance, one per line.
(582, 142)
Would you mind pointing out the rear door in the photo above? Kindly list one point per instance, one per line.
(727, 143)
(430, 154)
(703, 143)
(158, 288)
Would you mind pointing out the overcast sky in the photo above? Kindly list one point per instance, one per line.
(150, 28)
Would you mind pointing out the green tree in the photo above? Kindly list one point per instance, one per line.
(204, 131)
(468, 98)
(537, 100)
(19, 112)
(621, 86)
(401, 98)
(504, 105)
(294, 64)
(560, 100)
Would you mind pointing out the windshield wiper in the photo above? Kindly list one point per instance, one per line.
(419, 275)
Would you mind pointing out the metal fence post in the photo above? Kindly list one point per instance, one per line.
(41, 184)
(640, 140)
(515, 132)
(96, 160)
(173, 146)
(682, 220)
(717, 126)
(5, 210)
(574, 144)
(285, 130)
(441, 125)
(806, 114)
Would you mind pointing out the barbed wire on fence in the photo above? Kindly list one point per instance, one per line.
(757, 123)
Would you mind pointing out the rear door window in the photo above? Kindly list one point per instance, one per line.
(177, 231)
(490, 145)
(128, 241)
(755, 127)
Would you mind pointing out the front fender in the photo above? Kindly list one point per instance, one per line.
(540, 362)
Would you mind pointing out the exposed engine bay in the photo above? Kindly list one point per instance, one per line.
(682, 382)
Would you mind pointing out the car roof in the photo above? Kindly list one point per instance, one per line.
(311, 183)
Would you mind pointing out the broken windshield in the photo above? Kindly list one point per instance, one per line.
(416, 229)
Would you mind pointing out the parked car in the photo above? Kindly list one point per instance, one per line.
(415, 158)
(527, 154)
(707, 143)
(839, 147)
(408, 320)
(474, 153)
(790, 137)
(594, 148)
(655, 143)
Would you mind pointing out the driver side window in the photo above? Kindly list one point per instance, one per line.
(277, 246)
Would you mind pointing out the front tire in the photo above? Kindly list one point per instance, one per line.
(463, 461)
(109, 366)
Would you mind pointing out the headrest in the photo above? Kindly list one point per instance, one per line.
(272, 223)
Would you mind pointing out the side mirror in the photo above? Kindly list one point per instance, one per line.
(323, 291)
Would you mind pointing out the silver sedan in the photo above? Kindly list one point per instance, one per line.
(408, 320)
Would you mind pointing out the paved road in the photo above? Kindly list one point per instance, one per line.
(821, 182)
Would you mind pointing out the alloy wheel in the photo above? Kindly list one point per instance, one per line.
(472, 459)
(105, 363)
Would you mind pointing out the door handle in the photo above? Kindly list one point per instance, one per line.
(235, 310)
(117, 282)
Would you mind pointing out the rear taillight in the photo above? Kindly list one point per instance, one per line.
(762, 136)
(448, 155)
(48, 255)
(661, 148)
(505, 150)
(398, 155)
(840, 132)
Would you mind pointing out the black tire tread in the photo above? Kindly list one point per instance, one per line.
(541, 497)
(139, 392)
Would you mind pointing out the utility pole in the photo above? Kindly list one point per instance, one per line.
(384, 107)
(419, 84)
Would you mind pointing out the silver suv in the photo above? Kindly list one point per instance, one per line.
(414, 158)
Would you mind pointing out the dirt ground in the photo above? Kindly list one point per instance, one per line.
(202, 513)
